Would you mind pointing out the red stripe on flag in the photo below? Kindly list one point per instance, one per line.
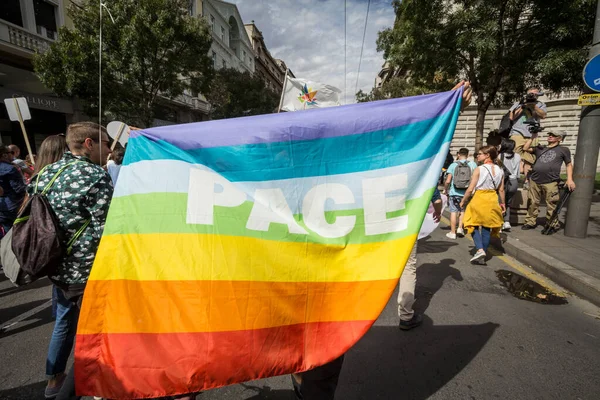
(145, 365)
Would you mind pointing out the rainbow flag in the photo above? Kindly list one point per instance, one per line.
(252, 247)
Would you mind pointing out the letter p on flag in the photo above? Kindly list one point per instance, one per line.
(208, 189)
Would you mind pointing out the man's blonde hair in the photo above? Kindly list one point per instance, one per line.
(78, 132)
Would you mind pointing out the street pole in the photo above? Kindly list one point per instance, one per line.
(586, 158)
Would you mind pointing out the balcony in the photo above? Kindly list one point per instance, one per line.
(21, 40)
(192, 102)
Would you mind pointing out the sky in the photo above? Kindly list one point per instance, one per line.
(309, 36)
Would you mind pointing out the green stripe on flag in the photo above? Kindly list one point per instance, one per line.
(166, 213)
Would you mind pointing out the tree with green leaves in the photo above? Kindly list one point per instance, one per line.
(501, 46)
(153, 50)
(398, 86)
(237, 94)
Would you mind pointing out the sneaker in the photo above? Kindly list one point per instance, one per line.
(451, 235)
(478, 255)
(506, 226)
(527, 227)
(415, 321)
(52, 391)
(460, 232)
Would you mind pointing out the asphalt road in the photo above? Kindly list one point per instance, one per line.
(477, 341)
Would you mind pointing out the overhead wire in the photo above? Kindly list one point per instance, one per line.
(362, 46)
(345, 50)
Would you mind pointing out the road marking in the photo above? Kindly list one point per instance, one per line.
(528, 273)
(24, 316)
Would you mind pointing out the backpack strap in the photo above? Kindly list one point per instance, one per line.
(48, 187)
(76, 236)
(54, 178)
(491, 176)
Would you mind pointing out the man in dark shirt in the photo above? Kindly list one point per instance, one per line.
(13, 189)
(545, 176)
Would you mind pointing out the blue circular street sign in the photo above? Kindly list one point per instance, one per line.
(591, 73)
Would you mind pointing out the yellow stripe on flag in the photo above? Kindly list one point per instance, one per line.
(182, 257)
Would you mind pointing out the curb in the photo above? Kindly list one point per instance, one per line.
(572, 279)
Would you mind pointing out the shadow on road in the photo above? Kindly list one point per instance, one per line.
(390, 364)
(40, 318)
(430, 279)
(266, 393)
(8, 313)
(33, 391)
(35, 285)
(426, 245)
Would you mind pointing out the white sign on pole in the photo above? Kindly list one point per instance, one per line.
(13, 113)
(119, 132)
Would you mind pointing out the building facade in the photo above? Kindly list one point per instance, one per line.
(268, 68)
(231, 46)
(26, 27)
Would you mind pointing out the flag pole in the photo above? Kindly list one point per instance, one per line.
(283, 90)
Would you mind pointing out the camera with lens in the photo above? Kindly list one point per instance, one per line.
(534, 126)
(530, 98)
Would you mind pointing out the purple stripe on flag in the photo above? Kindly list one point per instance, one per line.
(305, 125)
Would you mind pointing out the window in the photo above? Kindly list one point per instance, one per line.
(191, 6)
(222, 34)
(224, 64)
(244, 55)
(45, 18)
(214, 58)
(212, 23)
(11, 12)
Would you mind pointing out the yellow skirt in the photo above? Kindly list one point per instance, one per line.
(484, 210)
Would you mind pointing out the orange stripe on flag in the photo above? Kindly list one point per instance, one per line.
(114, 365)
(124, 306)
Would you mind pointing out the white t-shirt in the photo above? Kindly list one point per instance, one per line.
(486, 180)
(113, 170)
(513, 164)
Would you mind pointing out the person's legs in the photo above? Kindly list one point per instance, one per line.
(533, 199)
(552, 197)
(406, 290)
(61, 342)
(319, 383)
(67, 392)
(453, 221)
(527, 159)
(460, 220)
(511, 190)
(486, 235)
(477, 239)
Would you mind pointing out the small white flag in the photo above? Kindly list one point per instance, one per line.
(300, 94)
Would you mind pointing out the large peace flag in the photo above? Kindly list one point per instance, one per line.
(252, 247)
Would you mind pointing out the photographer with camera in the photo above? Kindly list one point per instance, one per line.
(524, 115)
(545, 176)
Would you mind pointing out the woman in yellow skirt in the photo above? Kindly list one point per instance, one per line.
(483, 216)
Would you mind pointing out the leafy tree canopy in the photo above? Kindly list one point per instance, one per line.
(153, 49)
(236, 94)
(501, 46)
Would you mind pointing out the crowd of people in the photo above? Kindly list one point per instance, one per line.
(480, 194)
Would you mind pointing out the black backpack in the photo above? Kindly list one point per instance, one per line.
(37, 237)
(505, 126)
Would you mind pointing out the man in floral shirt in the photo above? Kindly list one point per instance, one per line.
(79, 197)
(82, 192)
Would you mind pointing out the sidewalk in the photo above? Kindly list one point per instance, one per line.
(572, 263)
